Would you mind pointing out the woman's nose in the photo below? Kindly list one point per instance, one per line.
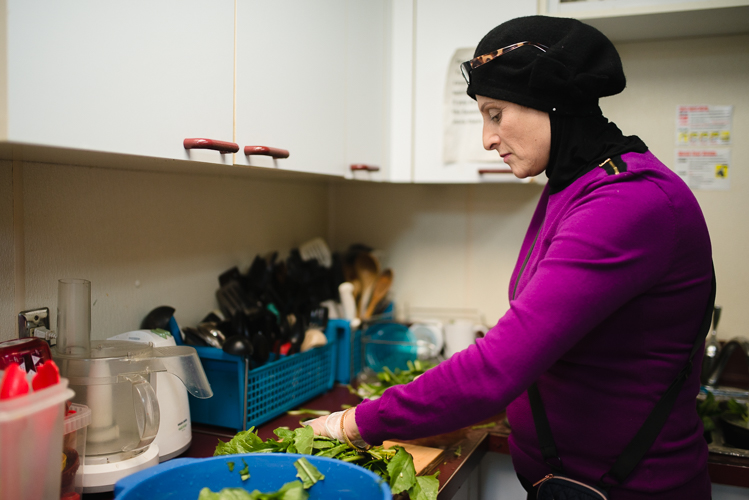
(491, 139)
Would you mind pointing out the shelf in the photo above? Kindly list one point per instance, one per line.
(97, 159)
(626, 20)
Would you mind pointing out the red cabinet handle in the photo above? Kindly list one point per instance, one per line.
(220, 146)
(483, 171)
(365, 168)
(266, 151)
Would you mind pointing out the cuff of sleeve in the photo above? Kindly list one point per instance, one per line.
(367, 421)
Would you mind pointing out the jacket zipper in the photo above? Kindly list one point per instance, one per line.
(608, 160)
(527, 258)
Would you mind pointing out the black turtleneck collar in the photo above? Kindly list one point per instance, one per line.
(581, 143)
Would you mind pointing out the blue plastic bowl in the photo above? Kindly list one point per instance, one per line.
(183, 478)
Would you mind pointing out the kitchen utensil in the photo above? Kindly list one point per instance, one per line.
(380, 291)
(268, 472)
(712, 348)
(318, 250)
(211, 334)
(175, 431)
(313, 338)
(423, 456)
(157, 318)
(111, 377)
(430, 339)
(367, 268)
(460, 334)
(238, 345)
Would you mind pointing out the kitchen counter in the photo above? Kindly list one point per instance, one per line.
(463, 449)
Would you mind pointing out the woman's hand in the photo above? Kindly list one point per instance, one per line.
(331, 426)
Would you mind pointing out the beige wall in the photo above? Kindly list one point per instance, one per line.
(147, 239)
(455, 246)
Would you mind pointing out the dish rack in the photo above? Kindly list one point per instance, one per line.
(244, 397)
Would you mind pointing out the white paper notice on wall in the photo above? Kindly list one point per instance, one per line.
(704, 169)
(703, 125)
(462, 122)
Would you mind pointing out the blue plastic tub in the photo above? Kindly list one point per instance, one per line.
(183, 478)
(244, 397)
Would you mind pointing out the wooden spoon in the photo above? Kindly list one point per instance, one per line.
(381, 289)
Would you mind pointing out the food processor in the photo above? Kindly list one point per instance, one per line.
(116, 380)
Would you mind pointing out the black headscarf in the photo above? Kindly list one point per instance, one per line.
(581, 143)
(579, 66)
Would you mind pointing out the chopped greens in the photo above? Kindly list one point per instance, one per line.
(308, 411)
(245, 472)
(394, 465)
(388, 378)
(289, 491)
(307, 472)
(736, 408)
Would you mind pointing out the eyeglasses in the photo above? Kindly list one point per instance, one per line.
(474, 63)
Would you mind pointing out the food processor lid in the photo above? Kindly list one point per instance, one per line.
(109, 359)
(183, 362)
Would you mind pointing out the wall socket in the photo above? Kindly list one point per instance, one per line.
(30, 320)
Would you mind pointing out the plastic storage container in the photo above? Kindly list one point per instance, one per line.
(268, 472)
(31, 434)
(74, 449)
(244, 397)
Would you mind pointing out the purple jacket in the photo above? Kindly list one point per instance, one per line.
(604, 309)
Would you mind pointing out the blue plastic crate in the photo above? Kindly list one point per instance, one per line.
(184, 478)
(349, 353)
(244, 397)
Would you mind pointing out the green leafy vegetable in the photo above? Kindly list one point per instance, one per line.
(307, 472)
(736, 408)
(401, 470)
(388, 378)
(307, 411)
(483, 426)
(231, 466)
(245, 472)
(289, 491)
(394, 465)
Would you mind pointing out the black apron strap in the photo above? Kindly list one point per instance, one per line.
(645, 437)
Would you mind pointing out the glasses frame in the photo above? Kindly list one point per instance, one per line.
(468, 66)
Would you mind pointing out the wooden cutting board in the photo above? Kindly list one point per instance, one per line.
(423, 456)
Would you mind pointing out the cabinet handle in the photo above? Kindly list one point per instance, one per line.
(220, 146)
(266, 151)
(365, 168)
(483, 171)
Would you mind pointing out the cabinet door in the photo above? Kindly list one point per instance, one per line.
(291, 83)
(367, 37)
(441, 27)
(134, 77)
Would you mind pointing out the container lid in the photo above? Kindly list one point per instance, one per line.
(77, 418)
(33, 402)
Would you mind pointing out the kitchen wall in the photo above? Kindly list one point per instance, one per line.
(143, 238)
(146, 238)
(455, 246)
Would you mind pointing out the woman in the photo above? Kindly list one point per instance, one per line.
(608, 293)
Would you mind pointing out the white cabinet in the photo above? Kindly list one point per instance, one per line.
(628, 20)
(133, 77)
(310, 81)
(438, 28)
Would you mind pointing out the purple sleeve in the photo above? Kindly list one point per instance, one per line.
(612, 244)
